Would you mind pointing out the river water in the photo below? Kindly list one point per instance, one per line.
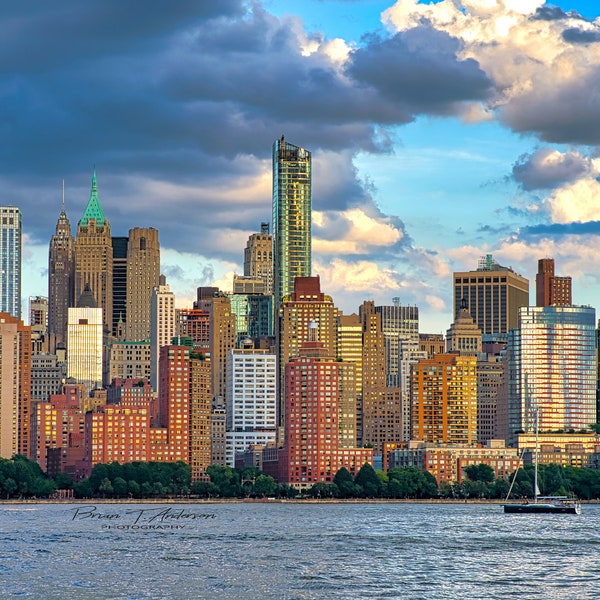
(288, 551)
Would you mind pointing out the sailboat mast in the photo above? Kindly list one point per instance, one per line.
(535, 476)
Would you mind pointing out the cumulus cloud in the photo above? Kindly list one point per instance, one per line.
(537, 69)
(548, 168)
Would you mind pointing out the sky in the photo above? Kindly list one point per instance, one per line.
(440, 132)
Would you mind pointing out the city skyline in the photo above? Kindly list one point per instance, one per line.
(428, 149)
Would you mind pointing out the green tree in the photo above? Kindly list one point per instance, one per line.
(106, 487)
(204, 489)
(345, 483)
(120, 487)
(367, 479)
(480, 472)
(264, 486)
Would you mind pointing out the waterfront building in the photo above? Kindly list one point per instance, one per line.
(10, 260)
(410, 354)
(551, 290)
(552, 367)
(15, 386)
(61, 280)
(292, 183)
(251, 400)
(493, 294)
(94, 256)
(200, 415)
(491, 383)
(447, 462)
(313, 450)
(143, 272)
(444, 399)
(306, 304)
(580, 449)
(84, 341)
(218, 431)
(258, 258)
(162, 326)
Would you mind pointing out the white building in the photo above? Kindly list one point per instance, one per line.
(251, 400)
(162, 325)
(84, 341)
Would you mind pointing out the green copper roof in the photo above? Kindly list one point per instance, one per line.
(93, 210)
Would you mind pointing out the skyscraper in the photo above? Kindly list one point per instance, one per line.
(10, 260)
(94, 255)
(143, 271)
(493, 294)
(61, 277)
(552, 367)
(551, 290)
(258, 257)
(15, 386)
(162, 326)
(292, 179)
(84, 341)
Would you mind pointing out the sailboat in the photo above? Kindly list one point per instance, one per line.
(542, 504)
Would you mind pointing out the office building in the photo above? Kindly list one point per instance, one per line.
(84, 341)
(493, 294)
(143, 271)
(129, 360)
(15, 386)
(258, 258)
(292, 181)
(120, 247)
(552, 368)
(551, 290)
(464, 336)
(94, 256)
(10, 260)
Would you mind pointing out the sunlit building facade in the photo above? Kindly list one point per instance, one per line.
(292, 182)
(552, 367)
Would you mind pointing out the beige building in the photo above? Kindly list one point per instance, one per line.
(162, 325)
(143, 272)
(94, 256)
(129, 360)
(258, 258)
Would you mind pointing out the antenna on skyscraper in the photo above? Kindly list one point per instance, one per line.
(63, 195)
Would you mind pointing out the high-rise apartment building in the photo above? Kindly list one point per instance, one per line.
(61, 280)
(15, 386)
(292, 181)
(84, 341)
(493, 294)
(94, 255)
(551, 290)
(10, 260)
(143, 271)
(410, 354)
(444, 399)
(397, 323)
(258, 257)
(251, 400)
(313, 451)
(162, 326)
(305, 305)
(552, 367)
(200, 415)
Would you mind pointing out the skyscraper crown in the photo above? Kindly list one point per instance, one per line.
(93, 210)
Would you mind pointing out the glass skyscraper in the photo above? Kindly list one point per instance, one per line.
(292, 178)
(10, 258)
(552, 367)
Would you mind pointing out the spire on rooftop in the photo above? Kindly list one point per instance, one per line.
(93, 210)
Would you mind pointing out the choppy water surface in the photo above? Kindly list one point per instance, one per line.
(271, 550)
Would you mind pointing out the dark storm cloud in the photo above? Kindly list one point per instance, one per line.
(581, 36)
(188, 98)
(538, 171)
(419, 70)
(554, 13)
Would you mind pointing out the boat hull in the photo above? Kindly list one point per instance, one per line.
(568, 509)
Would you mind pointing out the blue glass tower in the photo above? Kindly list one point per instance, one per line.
(10, 260)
